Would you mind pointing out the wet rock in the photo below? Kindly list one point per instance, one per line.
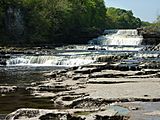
(93, 48)
(53, 88)
(156, 48)
(150, 39)
(2, 117)
(52, 116)
(98, 117)
(97, 65)
(150, 65)
(42, 114)
(39, 94)
(3, 62)
(88, 103)
(68, 99)
(80, 76)
(62, 71)
(127, 67)
(51, 74)
(111, 58)
(7, 89)
(4, 58)
(69, 74)
(8, 51)
(22, 114)
(85, 70)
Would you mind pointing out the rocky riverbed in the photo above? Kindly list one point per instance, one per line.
(98, 91)
(115, 86)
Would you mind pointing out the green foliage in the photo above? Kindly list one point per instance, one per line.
(157, 23)
(1, 19)
(153, 27)
(158, 19)
(65, 21)
(121, 18)
(145, 24)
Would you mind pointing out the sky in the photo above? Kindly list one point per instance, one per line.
(146, 10)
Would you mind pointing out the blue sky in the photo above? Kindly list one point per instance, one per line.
(146, 10)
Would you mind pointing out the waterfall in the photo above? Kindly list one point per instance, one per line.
(127, 37)
(73, 55)
(66, 61)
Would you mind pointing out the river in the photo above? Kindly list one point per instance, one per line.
(22, 70)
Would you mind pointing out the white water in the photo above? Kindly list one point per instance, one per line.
(50, 61)
(127, 37)
(115, 40)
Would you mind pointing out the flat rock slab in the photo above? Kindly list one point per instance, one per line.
(117, 72)
(120, 80)
(143, 111)
(145, 76)
(97, 64)
(145, 89)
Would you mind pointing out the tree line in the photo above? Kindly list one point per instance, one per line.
(152, 28)
(59, 21)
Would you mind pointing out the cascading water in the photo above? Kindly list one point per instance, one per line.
(115, 40)
(65, 61)
(127, 37)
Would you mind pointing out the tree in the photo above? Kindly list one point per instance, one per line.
(64, 21)
(122, 18)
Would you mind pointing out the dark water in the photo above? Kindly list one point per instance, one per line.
(22, 77)
(22, 99)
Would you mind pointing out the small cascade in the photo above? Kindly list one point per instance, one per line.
(127, 37)
(115, 41)
(66, 61)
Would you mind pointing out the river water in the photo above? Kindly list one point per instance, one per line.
(22, 70)
(23, 75)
